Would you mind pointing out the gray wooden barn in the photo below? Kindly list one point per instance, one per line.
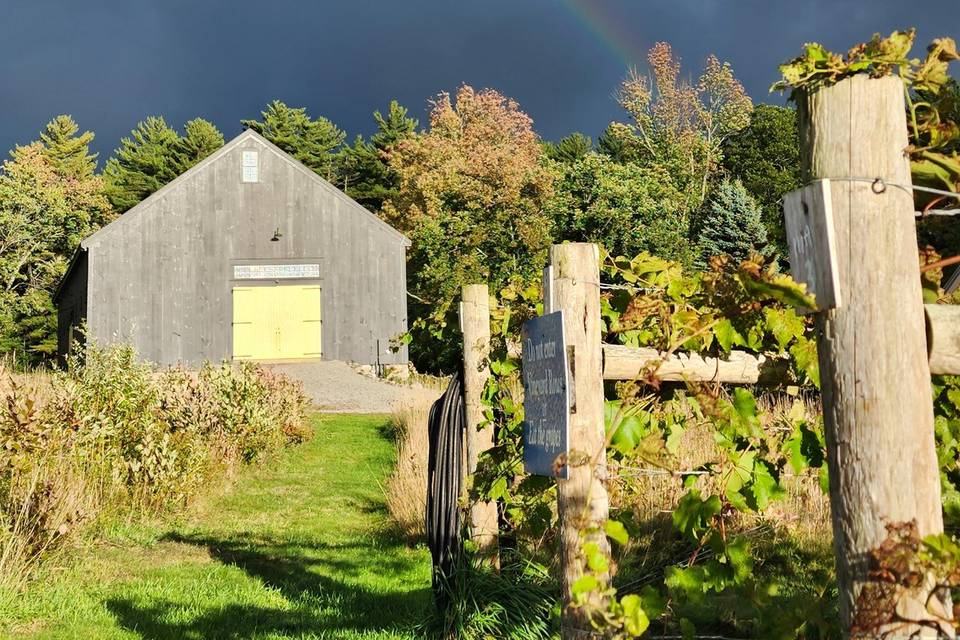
(249, 255)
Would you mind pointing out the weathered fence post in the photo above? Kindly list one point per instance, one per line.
(582, 502)
(475, 325)
(873, 361)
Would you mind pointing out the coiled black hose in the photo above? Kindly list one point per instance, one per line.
(445, 467)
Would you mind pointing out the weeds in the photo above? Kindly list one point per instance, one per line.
(112, 435)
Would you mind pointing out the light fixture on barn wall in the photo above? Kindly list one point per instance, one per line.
(276, 235)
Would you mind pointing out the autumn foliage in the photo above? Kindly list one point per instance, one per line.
(472, 198)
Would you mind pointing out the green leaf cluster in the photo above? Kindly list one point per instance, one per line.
(748, 307)
(934, 131)
(946, 408)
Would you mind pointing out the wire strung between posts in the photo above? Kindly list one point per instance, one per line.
(606, 286)
(681, 559)
(879, 185)
(615, 471)
(936, 212)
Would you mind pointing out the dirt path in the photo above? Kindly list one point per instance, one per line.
(336, 387)
(297, 549)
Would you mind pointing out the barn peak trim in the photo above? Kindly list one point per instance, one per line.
(145, 205)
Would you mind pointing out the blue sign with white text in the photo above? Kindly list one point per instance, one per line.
(546, 399)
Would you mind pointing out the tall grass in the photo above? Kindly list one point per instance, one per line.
(517, 603)
(648, 499)
(405, 489)
(110, 436)
(520, 602)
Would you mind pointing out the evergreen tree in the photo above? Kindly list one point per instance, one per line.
(571, 149)
(68, 151)
(201, 138)
(144, 162)
(363, 170)
(731, 224)
(155, 154)
(312, 142)
(619, 143)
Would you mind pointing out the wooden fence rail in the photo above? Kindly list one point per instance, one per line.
(740, 367)
(582, 498)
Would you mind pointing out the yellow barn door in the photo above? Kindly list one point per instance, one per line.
(276, 323)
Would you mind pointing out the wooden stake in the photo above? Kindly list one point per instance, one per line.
(873, 362)
(583, 504)
(475, 325)
(943, 338)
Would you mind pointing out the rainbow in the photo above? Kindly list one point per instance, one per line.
(610, 29)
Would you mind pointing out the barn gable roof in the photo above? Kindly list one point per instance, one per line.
(248, 134)
(71, 267)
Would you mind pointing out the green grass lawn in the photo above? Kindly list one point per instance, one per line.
(299, 548)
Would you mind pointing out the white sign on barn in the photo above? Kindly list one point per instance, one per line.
(808, 217)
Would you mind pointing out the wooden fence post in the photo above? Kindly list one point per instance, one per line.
(475, 325)
(873, 362)
(582, 501)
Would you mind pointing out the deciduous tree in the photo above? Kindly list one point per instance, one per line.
(43, 216)
(625, 207)
(472, 196)
(678, 124)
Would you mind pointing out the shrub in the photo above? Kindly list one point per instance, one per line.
(110, 432)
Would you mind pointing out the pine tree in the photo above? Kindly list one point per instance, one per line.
(143, 163)
(395, 127)
(570, 149)
(312, 142)
(69, 153)
(363, 170)
(619, 143)
(731, 224)
(155, 154)
(201, 138)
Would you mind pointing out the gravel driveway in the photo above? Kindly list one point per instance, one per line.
(335, 387)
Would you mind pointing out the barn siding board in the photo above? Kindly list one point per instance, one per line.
(161, 276)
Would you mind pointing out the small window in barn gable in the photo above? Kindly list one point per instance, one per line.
(251, 166)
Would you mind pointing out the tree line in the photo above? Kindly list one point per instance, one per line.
(694, 169)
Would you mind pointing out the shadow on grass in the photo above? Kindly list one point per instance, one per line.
(328, 587)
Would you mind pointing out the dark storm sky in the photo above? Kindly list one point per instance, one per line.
(110, 64)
